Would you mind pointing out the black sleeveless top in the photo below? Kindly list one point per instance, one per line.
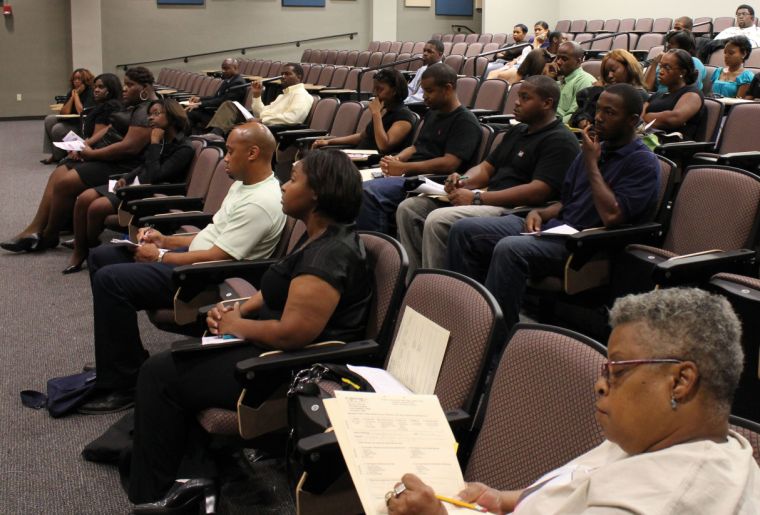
(665, 101)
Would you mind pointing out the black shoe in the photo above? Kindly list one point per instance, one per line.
(43, 244)
(23, 244)
(72, 269)
(109, 402)
(49, 161)
(181, 496)
(90, 365)
(69, 244)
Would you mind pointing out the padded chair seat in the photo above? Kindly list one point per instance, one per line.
(749, 282)
(652, 254)
(219, 421)
(705, 157)
(239, 287)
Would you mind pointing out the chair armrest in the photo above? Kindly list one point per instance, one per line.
(746, 160)
(681, 149)
(116, 176)
(583, 245)
(147, 190)
(171, 222)
(276, 129)
(151, 206)
(700, 267)
(497, 118)
(483, 112)
(192, 279)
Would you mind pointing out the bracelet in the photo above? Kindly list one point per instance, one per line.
(161, 254)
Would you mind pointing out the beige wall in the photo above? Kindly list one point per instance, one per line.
(35, 56)
(594, 9)
(419, 23)
(501, 16)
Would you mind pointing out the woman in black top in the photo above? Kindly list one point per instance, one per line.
(320, 291)
(392, 122)
(166, 160)
(79, 98)
(679, 108)
(107, 91)
(118, 149)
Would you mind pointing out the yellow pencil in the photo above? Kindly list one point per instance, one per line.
(462, 504)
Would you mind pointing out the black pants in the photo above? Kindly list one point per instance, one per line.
(199, 118)
(171, 390)
(121, 288)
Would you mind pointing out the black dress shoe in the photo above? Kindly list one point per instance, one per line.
(23, 244)
(109, 402)
(72, 269)
(45, 244)
(181, 496)
(69, 244)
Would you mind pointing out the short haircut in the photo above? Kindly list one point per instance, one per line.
(297, 69)
(748, 7)
(174, 113)
(632, 101)
(337, 183)
(546, 87)
(684, 40)
(85, 75)
(112, 83)
(437, 44)
(522, 27)
(577, 50)
(542, 23)
(140, 75)
(441, 74)
(687, 22)
(232, 61)
(395, 80)
(690, 324)
(686, 63)
(629, 62)
(742, 43)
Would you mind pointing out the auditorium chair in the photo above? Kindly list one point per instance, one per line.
(447, 45)
(344, 124)
(477, 336)
(627, 25)
(750, 430)
(722, 23)
(395, 47)
(458, 38)
(699, 29)
(625, 41)
(406, 47)
(577, 26)
(458, 48)
(466, 88)
(374, 46)
(582, 37)
(662, 25)
(643, 25)
(375, 59)
(455, 61)
(316, 56)
(330, 56)
(363, 59)
(471, 38)
(348, 90)
(743, 293)
(352, 57)
(473, 49)
(484, 39)
(388, 58)
(500, 39)
(306, 56)
(645, 42)
(402, 67)
(595, 26)
(340, 58)
(562, 26)
(611, 25)
(592, 66)
(490, 97)
(384, 47)
(475, 66)
(419, 46)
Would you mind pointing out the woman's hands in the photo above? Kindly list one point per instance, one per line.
(224, 319)
(156, 136)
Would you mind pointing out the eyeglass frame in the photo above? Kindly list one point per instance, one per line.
(605, 367)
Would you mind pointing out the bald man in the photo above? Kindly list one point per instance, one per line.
(247, 226)
(201, 109)
(566, 68)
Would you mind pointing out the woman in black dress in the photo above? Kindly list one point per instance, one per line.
(119, 149)
(167, 159)
(79, 98)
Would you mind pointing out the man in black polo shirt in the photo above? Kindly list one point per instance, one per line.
(448, 142)
(527, 168)
(613, 181)
(200, 110)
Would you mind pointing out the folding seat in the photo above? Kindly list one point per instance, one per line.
(484, 39)
(475, 66)
(458, 48)
(743, 293)
(473, 50)
(343, 124)
(499, 39)
(402, 66)
(562, 26)
(582, 38)
(340, 58)
(366, 84)
(750, 430)
(627, 25)
(490, 97)
(702, 26)
(466, 88)
(313, 75)
(625, 41)
(595, 26)
(162, 75)
(325, 76)
(455, 61)
(419, 46)
(306, 56)
(320, 119)
(471, 38)
(645, 42)
(578, 26)
(257, 64)
(593, 66)
(352, 57)
(275, 69)
(611, 25)
(384, 47)
(722, 23)
(509, 103)
(754, 59)
(375, 59)
(491, 47)
(568, 36)
(603, 45)
(395, 47)
(374, 46)
(330, 57)
(306, 69)
(447, 38)
(406, 47)
(644, 25)
(447, 47)
(388, 58)
(655, 51)
(662, 25)
(339, 77)
(458, 38)
(317, 56)
(415, 65)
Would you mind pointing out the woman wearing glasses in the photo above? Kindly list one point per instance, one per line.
(663, 401)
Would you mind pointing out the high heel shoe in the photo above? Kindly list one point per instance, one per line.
(183, 495)
(22, 243)
(72, 269)
(45, 244)
(49, 161)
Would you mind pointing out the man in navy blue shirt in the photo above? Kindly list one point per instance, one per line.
(614, 181)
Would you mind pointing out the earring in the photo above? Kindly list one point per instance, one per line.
(141, 96)
(673, 403)
(681, 76)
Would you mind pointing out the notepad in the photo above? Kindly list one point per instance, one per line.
(117, 242)
(560, 230)
(245, 112)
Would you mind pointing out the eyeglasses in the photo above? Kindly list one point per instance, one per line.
(743, 13)
(605, 371)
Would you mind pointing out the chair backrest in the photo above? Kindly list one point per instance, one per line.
(330, 57)
(594, 67)
(217, 189)
(352, 81)
(202, 170)
(578, 26)
(447, 38)
(499, 39)
(710, 121)
(473, 49)
(362, 59)
(471, 38)
(458, 38)
(583, 37)
(384, 47)
(339, 77)
(364, 119)
(256, 68)
(447, 47)
(419, 46)
(562, 26)
(282, 245)
(627, 25)
(395, 47)
(490, 47)
(715, 59)
(474, 66)
(700, 29)
(749, 430)
(655, 51)
(326, 75)
(455, 61)
(668, 176)
(466, 88)
(485, 38)
(594, 25)
(486, 136)
(388, 58)
(647, 41)
(346, 119)
(437, 35)
(735, 137)
(542, 397)
(716, 208)
(306, 56)
(603, 44)
(374, 46)
(402, 57)
(509, 103)
(340, 58)
(316, 56)
(754, 59)
(367, 83)
(625, 41)
(491, 95)
(324, 113)
(352, 57)
(662, 25)
(644, 25)
(389, 264)
(375, 59)
(475, 333)
(611, 25)
(313, 75)
(722, 23)
(458, 48)
(406, 47)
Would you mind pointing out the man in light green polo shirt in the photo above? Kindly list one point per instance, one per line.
(571, 77)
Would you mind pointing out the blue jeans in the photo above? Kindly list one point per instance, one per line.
(380, 199)
(492, 251)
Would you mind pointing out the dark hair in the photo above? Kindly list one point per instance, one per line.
(684, 40)
(533, 64)
(437, 43)
(546, 87)
(85, 75)
(140, 75)
(542, 23)
(394, 79)
(632, 101)
(522, 27)
(442, 74)
(112, 84)
(297, 69)
(687, 22)
(337, 183)
(174, 113)
(742, 43)
(749, 8)
(686, 63)
(552, 36)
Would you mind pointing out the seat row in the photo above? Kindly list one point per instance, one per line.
(702, 25)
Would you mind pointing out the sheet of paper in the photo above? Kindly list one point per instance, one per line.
(367, 173)
(117, 242)
(73, 136)
(382, 437)
(70, 146)
(429, 187)
(364, 152)
(220, 340)
(381, 380)
(418, 352)
(245, 112)
(560, 230)
(112, 184)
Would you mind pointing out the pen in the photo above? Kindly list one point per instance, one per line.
(461, 504)
(351, 383)
(144, 235)
(462, 178)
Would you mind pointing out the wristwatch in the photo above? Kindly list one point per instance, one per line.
(161, 252)
(476, 200)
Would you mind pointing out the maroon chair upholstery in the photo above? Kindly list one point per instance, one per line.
(595, 26)
(644, 25)
(662, 25)
(578, 26)
(491, 95)
(455, 61)
(458, 48)
(458, 38)
(466, 88)
(562, 26)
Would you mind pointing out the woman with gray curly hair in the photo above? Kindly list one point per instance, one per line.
(663, 401)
